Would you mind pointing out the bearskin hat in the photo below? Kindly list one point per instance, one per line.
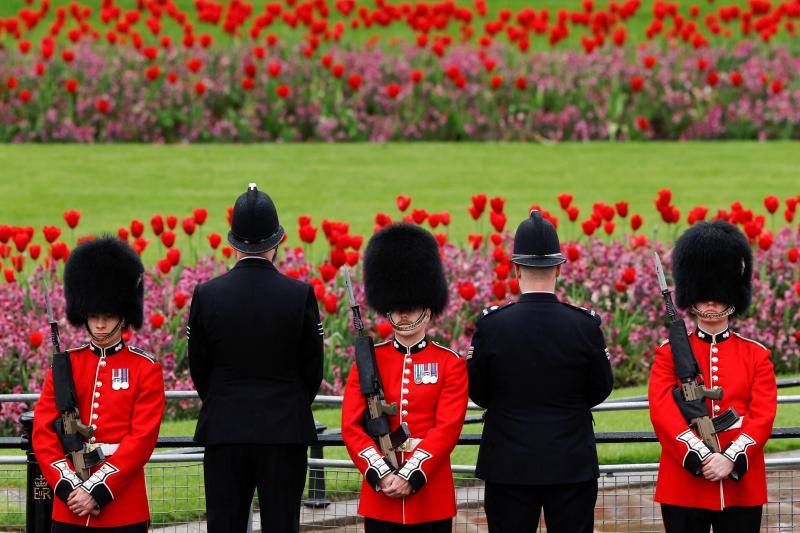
(712, 261)
(403, 270)
(104, 275)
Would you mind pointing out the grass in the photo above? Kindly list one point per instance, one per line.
(113, 184)
(636, 25)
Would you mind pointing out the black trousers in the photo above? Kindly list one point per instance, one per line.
(379, 526)
(234, 472)
(61, 527)
(731, 520)
(568, 508)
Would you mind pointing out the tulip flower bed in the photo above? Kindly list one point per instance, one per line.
(609, 269)
(124, 77)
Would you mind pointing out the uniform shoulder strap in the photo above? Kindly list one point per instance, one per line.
(447, 349)
(139, 351)
(78, 348)
(751, 340)
(587, 312)
(494, 309)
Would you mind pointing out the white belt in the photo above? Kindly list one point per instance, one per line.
(107, 449)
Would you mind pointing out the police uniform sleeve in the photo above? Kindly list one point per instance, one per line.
(434, 450)
(47, 447)
(360, 446)
(601, 379)
(478, 367)
(678, 441)
(199, 362)
(757, 421)
(137, 446)
(311, 350)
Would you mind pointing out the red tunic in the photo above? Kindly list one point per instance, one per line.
(120, 391)
(744, 371)
(429, 384)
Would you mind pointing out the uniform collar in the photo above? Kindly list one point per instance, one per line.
(538, 297)
(714, 339)
(418, 347)
(254, 262)
(104, 352)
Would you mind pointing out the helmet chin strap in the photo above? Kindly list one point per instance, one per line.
(111, 333)
(713, 316)
(409, 327)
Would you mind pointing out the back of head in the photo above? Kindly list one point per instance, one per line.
(255, 227)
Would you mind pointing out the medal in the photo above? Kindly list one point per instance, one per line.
(119, 379)
(426, 373)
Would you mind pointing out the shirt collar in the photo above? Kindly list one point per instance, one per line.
(538, 297)
(418, 347)
(713, 338)
(104, 352)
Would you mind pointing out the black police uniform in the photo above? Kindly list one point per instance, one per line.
(255, 354)
(538, 366)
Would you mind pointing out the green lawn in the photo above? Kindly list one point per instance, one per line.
(636, 25)
(113, 184)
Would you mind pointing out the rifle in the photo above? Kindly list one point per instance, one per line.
(691, 395)
(376, 422)
(69, 428)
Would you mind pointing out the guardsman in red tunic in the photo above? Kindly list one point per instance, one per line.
(698, 489)
(119, 391)
(404, 280)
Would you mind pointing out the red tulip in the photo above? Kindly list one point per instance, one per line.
(156, 320)
(792, 254)
(200, 88)
(608, 227)
(338, 258)
(629, 275)
(21, 240)
(164, 266)
(521, 83)
(382, 219)
(444, 218)
(51, 233)
(9, 273)
(188, 225)
(200, 215)
(303, 220)
(274, 69)
(123, 234)
(499, 289)
(403, 202)
(573, 212)
(498, 204)
(649, 62)
(137, 228)
(331, 303)
(194, 64)
(419, 215)
(354, 81)
(59, 250)
(157, 223)
(636, 222)
(735, 78)
(35, 251)
(772, 203)
(498, 220)
(179, 299)
(467, 290)
(283, 91)
(573, 253)
(327, 271)
(588, 227)
(642, 124)
(174, 256)
(496, 239)
(479, 202)
(765, 240)
(664, 198)
(777, 86)
(384, 329)
(637, 82)
(564, 200)
(214, 240)
(475, 240)
(502, 270)
(789, 215)
(140, 245)
(473, 212)
(172, 221)
(72, 218)
(35, 339)
(620, 286)
(227, 251)
(433, 220)
(168, 239)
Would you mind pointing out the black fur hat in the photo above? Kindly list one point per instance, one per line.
(104, 275)
(403, 270)
(712, 261)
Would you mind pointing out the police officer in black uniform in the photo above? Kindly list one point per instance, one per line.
(538, 366)
(255, 354)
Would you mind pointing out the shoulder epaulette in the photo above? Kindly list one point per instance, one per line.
(382, 343)
(81, 347)
(663, 343)
(448, 349)
(588, 312)
(495, 308)
(139, 351)
(751, 340)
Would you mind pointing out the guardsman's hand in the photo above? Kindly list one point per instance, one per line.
(397, 487)
(717, 467)
(81, 502)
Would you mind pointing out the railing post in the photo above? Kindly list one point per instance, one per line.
(38, 495)
(317, 498)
